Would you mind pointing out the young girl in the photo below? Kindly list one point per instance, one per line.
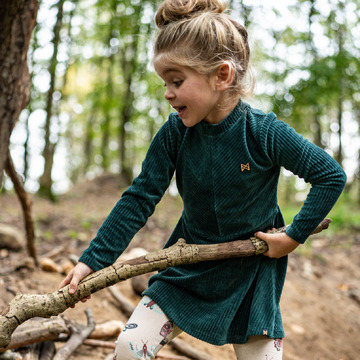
(227, 157)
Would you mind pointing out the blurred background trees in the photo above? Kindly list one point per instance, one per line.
(96, 102)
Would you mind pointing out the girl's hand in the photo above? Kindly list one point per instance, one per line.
(280, 244)
(75, 276)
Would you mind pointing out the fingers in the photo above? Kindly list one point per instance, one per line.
(263, 236)
(74, 282)
(80, 271)
(73, 278)
(279, 244)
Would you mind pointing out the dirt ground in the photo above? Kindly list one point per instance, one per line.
(321, 298)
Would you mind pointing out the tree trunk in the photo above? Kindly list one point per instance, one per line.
(17, 19)
(315, 58)
(339, 154)
(356, 181)
(24, 307)
(129, 66)
(88, 142)
(318, 132)
(49, 148)
(341, 85)
(106, 126)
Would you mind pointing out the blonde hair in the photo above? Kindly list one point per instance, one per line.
(198, 34)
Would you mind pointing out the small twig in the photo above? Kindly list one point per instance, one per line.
(79, 334)
(26, 206)
(124, 304)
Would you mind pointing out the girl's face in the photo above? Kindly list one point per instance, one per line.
(194, 96)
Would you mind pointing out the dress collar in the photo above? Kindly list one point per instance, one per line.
(215, 129)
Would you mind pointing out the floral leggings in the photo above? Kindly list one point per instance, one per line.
(149, 329)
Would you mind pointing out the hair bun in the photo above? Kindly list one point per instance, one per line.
(175, 10)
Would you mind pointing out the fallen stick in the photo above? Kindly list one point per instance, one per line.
(26, 205)
(78, 336)
(108, 329)
(48, 350)
(168, 356)
(100, 343)
(24, 307)
(40, 351)
(31, 352)
(10, 355)
(39, 330)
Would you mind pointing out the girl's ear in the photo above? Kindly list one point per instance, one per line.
(224, 76)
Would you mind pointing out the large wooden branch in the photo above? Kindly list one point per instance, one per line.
(24, 307)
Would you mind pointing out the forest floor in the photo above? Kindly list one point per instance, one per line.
(321, 298)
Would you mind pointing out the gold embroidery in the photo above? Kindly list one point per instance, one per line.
(245, 167)
(265, 332)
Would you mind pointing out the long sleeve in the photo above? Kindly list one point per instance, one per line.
(136, 205)
(296, 154)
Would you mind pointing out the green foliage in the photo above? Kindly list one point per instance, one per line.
(345, 215)
(73, 234)
(109, 102)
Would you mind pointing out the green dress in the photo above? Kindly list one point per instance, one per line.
(227, 176)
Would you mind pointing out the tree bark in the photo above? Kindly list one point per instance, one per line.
(17, 19)
(24, 307)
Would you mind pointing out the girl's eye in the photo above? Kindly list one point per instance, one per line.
(177, 83)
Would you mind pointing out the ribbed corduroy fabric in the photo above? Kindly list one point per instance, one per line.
(227, 176)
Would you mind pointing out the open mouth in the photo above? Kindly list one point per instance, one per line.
(180, 110)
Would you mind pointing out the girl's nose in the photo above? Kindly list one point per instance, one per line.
(168, 94)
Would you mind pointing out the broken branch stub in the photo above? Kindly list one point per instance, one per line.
(24, 307)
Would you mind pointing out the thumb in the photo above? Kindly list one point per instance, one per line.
(74, 283)
(66, 280)
(261, 235)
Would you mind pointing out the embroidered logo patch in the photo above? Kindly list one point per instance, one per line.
(245, 167)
